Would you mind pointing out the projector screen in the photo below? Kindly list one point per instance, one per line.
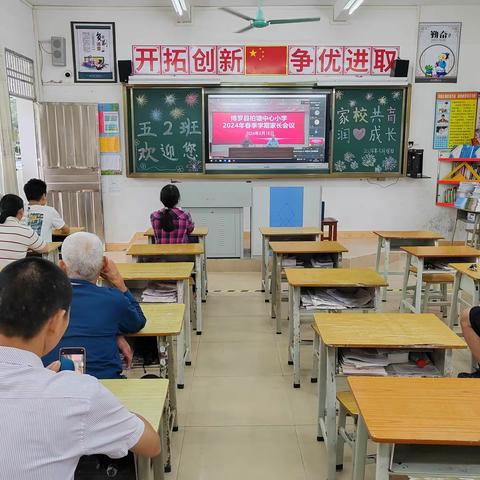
(268, 133)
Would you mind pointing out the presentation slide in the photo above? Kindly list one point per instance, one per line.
(268, 133)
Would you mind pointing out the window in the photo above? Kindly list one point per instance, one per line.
(20, 75)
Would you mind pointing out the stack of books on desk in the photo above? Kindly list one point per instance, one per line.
(337, 299)
(411, 369)
(370, 361)
(158, 292)
(437, 266)
(322, 262)
(292, 262)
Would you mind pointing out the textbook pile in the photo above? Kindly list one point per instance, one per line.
(158, 292)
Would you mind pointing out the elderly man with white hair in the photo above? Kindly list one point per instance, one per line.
(99, 316)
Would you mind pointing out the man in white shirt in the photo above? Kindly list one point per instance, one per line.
(49, 420)
(16, 239)
(39, 216)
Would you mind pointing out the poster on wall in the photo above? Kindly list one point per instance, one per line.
(94, 58)
(455, 119)
(109, 138)
(438, 52)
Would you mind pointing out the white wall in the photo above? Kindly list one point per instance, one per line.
(16, 27)
(357, 203)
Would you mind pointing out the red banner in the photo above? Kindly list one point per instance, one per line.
(263, 60)
(234, 128)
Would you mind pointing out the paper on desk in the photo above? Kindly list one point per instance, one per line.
(158, 292)
(412, 370)
(374, 371)
(337, 299)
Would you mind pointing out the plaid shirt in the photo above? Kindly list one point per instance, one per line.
(183, 227)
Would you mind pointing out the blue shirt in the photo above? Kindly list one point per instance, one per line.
(97, 316)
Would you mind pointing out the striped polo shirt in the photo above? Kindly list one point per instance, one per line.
(49, 420)
(15, 240)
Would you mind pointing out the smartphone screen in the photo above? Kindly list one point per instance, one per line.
(73, 358)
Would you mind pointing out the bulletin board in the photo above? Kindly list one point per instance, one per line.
(165, 131)
(369, 131)
(455, 119)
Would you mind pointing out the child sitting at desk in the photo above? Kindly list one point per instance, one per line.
(40, 217)
(171, 224)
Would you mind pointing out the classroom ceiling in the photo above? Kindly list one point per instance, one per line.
(235, 3)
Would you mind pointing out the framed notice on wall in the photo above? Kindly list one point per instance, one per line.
(438, 52)
(455, 119)
(94, 58)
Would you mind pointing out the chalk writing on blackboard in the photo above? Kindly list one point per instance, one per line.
(166, 130)
(368, 130)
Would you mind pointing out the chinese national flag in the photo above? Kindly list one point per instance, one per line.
(265, 60)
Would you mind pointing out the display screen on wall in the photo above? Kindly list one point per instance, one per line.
(165, 130)
(268, 133)
(369, 126)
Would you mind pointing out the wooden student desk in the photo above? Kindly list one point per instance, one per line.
(370, 330)
(165, 321)
(299, 278)
(281, 249)
(53, 252)
(431, 425)
(394, 239)
(418, 255)
(58, 232)
(201, 233)
(468, 281)
(147, 397)
(281, 234)
(141, 252)
(138, 274)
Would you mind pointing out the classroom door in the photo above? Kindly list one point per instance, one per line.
(69, 155)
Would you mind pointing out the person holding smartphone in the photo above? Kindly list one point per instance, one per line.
(99, 315)
(49, 420)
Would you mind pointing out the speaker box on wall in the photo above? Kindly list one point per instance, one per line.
(124, 70)
(400, 68)
(59, 51)
(415, 163)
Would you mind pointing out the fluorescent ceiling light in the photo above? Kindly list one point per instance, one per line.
(178, 7)
(355, 6)
(349, 4)
(183, 5)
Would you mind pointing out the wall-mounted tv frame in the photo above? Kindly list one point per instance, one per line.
(268, 131)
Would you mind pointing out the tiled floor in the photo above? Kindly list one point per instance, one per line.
(239, 416)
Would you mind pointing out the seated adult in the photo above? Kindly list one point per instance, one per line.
(171, 224)
(49, 420)
(99, 315)
(16, 239)
(470, 325)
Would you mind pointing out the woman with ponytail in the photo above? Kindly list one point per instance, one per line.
(15, 238)
(171, 224)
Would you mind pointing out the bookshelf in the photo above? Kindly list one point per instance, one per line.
(450, 173)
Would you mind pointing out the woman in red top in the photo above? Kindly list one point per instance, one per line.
(171, 224)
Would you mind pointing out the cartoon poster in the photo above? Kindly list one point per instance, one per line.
(94, 52)
(455, 119)
(438, 52)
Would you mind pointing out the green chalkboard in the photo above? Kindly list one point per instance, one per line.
(369, 126)
(165, 131)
